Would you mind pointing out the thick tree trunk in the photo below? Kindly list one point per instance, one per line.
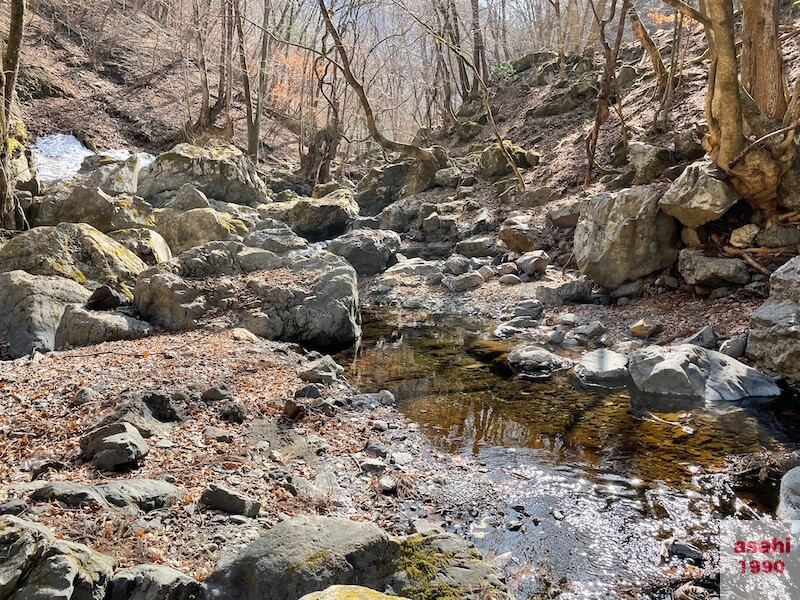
(8, 83)
(763, 74)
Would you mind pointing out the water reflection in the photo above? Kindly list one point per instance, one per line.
(623, 470)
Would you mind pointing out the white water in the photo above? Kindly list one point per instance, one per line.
(59, 156)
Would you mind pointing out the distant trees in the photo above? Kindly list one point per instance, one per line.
(8, 82)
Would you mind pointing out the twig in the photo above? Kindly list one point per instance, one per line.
(748, 259)
(763, 138)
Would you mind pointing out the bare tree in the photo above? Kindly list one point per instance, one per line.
(8, 84)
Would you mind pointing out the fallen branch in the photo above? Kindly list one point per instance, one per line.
(745, 256)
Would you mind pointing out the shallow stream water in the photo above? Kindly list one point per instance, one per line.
(59, 156)
(590, 483)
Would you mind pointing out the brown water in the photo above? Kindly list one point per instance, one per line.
(625, 472)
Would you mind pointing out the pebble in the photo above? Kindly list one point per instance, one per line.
(387, 485)
(402, 458)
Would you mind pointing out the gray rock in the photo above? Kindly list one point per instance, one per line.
(144, 494)
(776, 237)
(567, 216)
(533, 263)
(700, 195)
(560, 293)
(381, 186)
(183, 230)
(649, 162)
(457, 265)
(529, 308)
(105, 298)
(707, 337)
(493, 163)
(152, 582)
(373, 466)
(275, 236)
(13, 506)
(698, 269)
(623, 237)
(734, 347)
(37, 566)
(538, 196)
(303, 555)
(368, 250)
(322, 370)
(478, 247)
(449, 177)
(80, 327)
(148, 245)
(628, 290)
(135, 412)
(462, 283)
(31, 308)
(521, 234)
(387, 485)
(73, 250)
(469, 130)
(536, 363)
(694, 373)
(509, 279)
(306, 554)
(187, 198)
(774, 340)
(310, 300)
(789, 496)
(223, 172)
(603, 368)
(217, 434)
(104, 212)
(590, 331)
(114, 446)
(326, 217)
(230, 501)
(74, 495)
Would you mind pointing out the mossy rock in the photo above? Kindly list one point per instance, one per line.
(469, 130)
(75, 251)
(184, 230)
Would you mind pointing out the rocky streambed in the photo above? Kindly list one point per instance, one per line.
(592, 487)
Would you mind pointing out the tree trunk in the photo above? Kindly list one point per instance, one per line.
(763, 74)
(640, 31)
(8, 83)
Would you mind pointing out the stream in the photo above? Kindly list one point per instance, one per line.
(590, 483)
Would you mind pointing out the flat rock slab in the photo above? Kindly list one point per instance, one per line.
(230, 501)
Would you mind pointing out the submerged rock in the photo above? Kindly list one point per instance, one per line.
(536, 363)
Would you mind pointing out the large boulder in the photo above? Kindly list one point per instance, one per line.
(76, 251)
(147, 244)
(709, 271)
(224, 173)
(369, 251)
(381, 186)
(347, 592)
(304, 555)
(701, 194)
(104, 212)
(183, 230)
(774, 340)
(35, 565)
(623, 237)
(310, 300)
(108, 174)
(689, 372)
(81, 327)
(31, 308)
(326, 217)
